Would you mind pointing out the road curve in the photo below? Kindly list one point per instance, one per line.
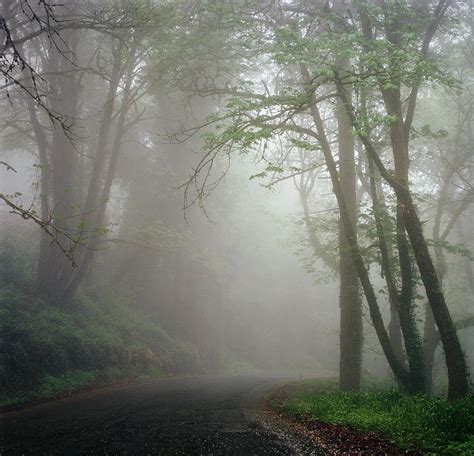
(172, 416)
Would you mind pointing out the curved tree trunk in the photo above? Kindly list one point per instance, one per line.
(397, 368)
(455, 361)
(411, 336)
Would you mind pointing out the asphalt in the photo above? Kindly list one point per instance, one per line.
(172, 416)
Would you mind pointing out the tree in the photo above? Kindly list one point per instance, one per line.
(21, 24)
(390, 83)
(349, 301)
(39, 48)
(77, 172)
(452, 170)
(389, 58)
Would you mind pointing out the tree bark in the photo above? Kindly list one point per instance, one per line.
(397, 368)
(45, 210)
(394, 328)
(104, 195)
(351, 335)
(431, 336)
(407, 321)
(411, 336)
(58, 179)
(455, 361)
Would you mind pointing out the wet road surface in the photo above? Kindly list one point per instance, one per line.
(173, 416)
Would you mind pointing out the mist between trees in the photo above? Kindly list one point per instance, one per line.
(210, 186)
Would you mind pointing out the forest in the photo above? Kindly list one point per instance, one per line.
(258, 194)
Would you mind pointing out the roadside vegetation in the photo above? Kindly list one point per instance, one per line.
(47, 350)
(129, 125)
(429, 424)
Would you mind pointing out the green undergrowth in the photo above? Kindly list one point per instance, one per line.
(76, 380)
(48, 348)
(428, 423)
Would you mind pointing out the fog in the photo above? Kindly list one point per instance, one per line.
(168, 205)
(230, 281)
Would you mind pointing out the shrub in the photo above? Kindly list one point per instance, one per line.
(68, 382)
(46, 348)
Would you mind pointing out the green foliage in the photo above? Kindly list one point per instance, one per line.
(70, 381)
(46, 349)
(253, 118)
(428, 423)
(51, 386)
(453, 249)
(325, 226)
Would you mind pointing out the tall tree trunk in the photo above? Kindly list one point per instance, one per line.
(104, 195)
(397, 368)
(380, 214)
(455, 361)
(407, 213)
(45, 181)
(407, 321)
(394, 328)
(467, 263)
(411, 336)
(374, 188)
(58, 174)
(431, 336)
(351, 335)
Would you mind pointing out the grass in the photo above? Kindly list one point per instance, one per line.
(56, 386)
(67, 382)
(429, 423)
(50, 387)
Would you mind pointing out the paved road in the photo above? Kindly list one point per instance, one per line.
(182, 416)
